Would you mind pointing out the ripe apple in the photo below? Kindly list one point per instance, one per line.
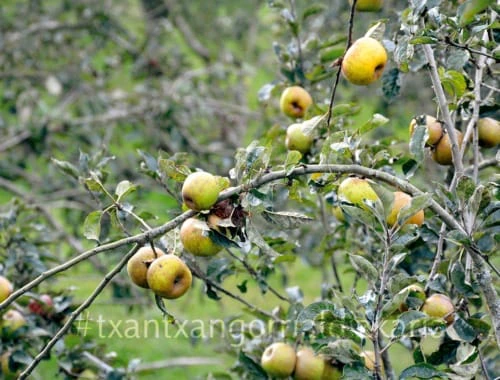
(296, 139)
(434, 129)
(195, 239)
(6, 288)
(364, 61)
(354, 190)
(137, 266)
(331, 372)
(439, 306)
(414, 291)
(442, 152)
(295, 101)
(489, 132)
(169, 277)
(88, 374)
(308, 366)
(41, 306)
(368, 5)
(369, 358)
(402, 200)
(13, 320)
(278, 360)
(200, 191)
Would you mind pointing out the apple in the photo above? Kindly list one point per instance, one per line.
(439, 306)
(434, 128)
(489, 132)
(402, 200)
(338, 213)
(137, 266)
(278, 360)
(296, 139)
(369, 359)
(41, 306)
(364, 61)
(308, 366)
(195, 239)
(13, 320)
(200, 191)
(331, 372)
(354, 190)
(7, 372)
(368, 5)
(88, 374)
(169, 277)
(414, 291)
(295, 101)
(442, 152)
(6, 288)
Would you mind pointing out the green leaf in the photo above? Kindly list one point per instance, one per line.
(305, 319)
(394, 303)
(92, 225)
(343, 350)
(376, 31)
(67, 168)
(421, 371)
(253, 370)
(391, 84)
(418, 203)
(292, 159)
(457, 277)
(468, 10)
(172, 170)
(453, 82)
(376, 121)
(286, 219)
(417, 142)
(365, 268)
(312, 10)
(461, 330)
(423, 40)
(123, 188)
(310, 125)
(465, 188)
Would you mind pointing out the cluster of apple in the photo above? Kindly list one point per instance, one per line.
(167, 275)
(439, 141)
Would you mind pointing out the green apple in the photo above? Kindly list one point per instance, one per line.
(200, 191)
(295, 101)
(414, 291)
(402, 200)
(169, 277)
(355, 190)
(7, 373)
(137, 266)
(331, 372)
(434, 128)
(6, 288)
(308, 366)
(13, 320)
(195, 238)
(364, 62)
(296, 139)
(338, 213)
(278, 360)
(439, 306)
(368, 5)
(489, 132)
(442, 152)
(88, 374)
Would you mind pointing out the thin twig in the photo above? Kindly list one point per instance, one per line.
(448, 41)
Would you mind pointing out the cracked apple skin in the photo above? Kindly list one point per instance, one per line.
(195, 239)
(137, 266)
(295, 101)
(278, 360)
(200, 191)
(364, 62)
(169, 277)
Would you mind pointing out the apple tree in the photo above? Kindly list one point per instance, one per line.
(401, 230)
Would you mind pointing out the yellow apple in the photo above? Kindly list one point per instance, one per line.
(369, 358)
(415, 291)
(338, 213)
(368, 5)
(169, 277)
(7, 372)
(442, 152)
(489, 132)
(354, 190)
(278, 360)
(296, 139)
(364, 61)
(137, 266)
(13, 320)
(439, 306)
(200, 191)
(402, 200)
(195, 239)
(308, 366)
(434, 129)
(295, 101)
(6, 288)
(88, 374)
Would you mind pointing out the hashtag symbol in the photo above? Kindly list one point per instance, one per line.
(82, 324)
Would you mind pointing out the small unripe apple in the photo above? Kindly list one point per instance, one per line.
(489, 132)
(88, 374)
(415, 291)
(200, 191)
(6, 288)
(439, 306)
(369, 358)
(13, 320)
(402, 200)
(434, 129)
(278, 360)
(195, 239)
(368, 5)
(331, 372)
(296, 139)
(364, 62)
(354, 190)
(442, 152)
(137, 266)
(308, 366)
(169, 277)
(295, 101)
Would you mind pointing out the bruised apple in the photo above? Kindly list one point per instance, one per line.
(295, 101)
